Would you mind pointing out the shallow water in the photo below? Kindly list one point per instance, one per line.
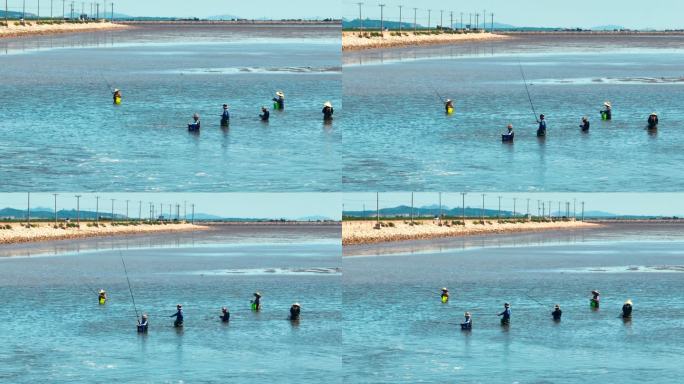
(61, 132)
(397, 330)
(398, 138)
(54, 330)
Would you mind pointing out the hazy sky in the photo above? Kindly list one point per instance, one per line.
(636, 14)
(201, 8)
(242, 205)
(666, 204)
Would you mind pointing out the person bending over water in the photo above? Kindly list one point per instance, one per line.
(102, 296)
(627, 309)
(225, 315)
(256, 303)
(195, 125)
(585, 124)
(606, 112)
(328, 111)
(595, 298)
(506, 319)
(468, 322)
(445, 295)
(295, 310)
(178, 315)
(279, 101)
(557, 313)
(116, 95)
(265, 114)
(653, 120)
(449, 106)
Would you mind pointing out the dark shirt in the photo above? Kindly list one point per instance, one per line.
(225, 115)
(265, 115)
(225, 317)
(294, 313)
(652, 121)
(626, 310)
(328, 113)
(557, 313)
(506, 314)
(194, 126)
(585, 126)
(178, 315)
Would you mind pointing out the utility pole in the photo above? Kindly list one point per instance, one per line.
(515, 199)
(429, 15)
(463, 207)
(491, 29)
(193, 214)
(63, 9)
(111, 18)
(543, 210)
(461, 21)
(104, 10)
(583, 211)
(400, 7)
(28, 209)
(360, 19)
(498, 215)
(470, 21)
(51, 9)
(23, 10)
(415, 24)
(477, 21)
(483, 207)
(451, 25)
(127, 209)
(55, 195)
(78, 211)
(97, 11)
(377, 208)
(112, 210)
(527, 214)
(440, 207)
(185, 210)
(441, 22)
(6, 12)
(382, 27)
(411, 208)
(484, 20)
(574, 209)
(139, 210)
(38, 15)
(97, 210)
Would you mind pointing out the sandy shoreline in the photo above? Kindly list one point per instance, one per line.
(352, 41)
(46, 232)
(363, 232)
(53, 29)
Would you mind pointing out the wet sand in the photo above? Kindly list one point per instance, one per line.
(19, 233)
(53, 29)
(364, 232)
(352, 41)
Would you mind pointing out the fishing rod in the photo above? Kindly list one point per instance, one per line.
(129, 287)
(106, 82)
(527, 90)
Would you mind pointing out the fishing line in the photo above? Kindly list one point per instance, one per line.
(129, 286)
(527, 90)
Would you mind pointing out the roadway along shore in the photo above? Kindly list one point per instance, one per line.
(366, 232)
(354, 40)
(31, 27)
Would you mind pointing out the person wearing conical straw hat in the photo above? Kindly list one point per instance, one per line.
(449, 106)
(295, 310)
(595, 298)
(279, 101)
(653, 120)
(328, 111)
(445, 295)
(102, 296)
(627, 309)
(606, 112)
(557, 313)
(468, 322)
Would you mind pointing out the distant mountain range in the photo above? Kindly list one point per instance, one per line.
(375, 24)
(433, 211)
(39, 213)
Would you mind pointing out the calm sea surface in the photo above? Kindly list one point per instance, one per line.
(397, 330)
(55, 331)
(60, 130)
(397, 136)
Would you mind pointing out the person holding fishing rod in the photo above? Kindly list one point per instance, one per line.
(585, 124)
(509, 135)
(295, 310)
(449, 106)
(506, 314)
(541, 131)
(143, 324)
(225, 315)
(627, 309)
(595, 299)
(256, 303)
(327, 111)
(606, 112)
(179, 316)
